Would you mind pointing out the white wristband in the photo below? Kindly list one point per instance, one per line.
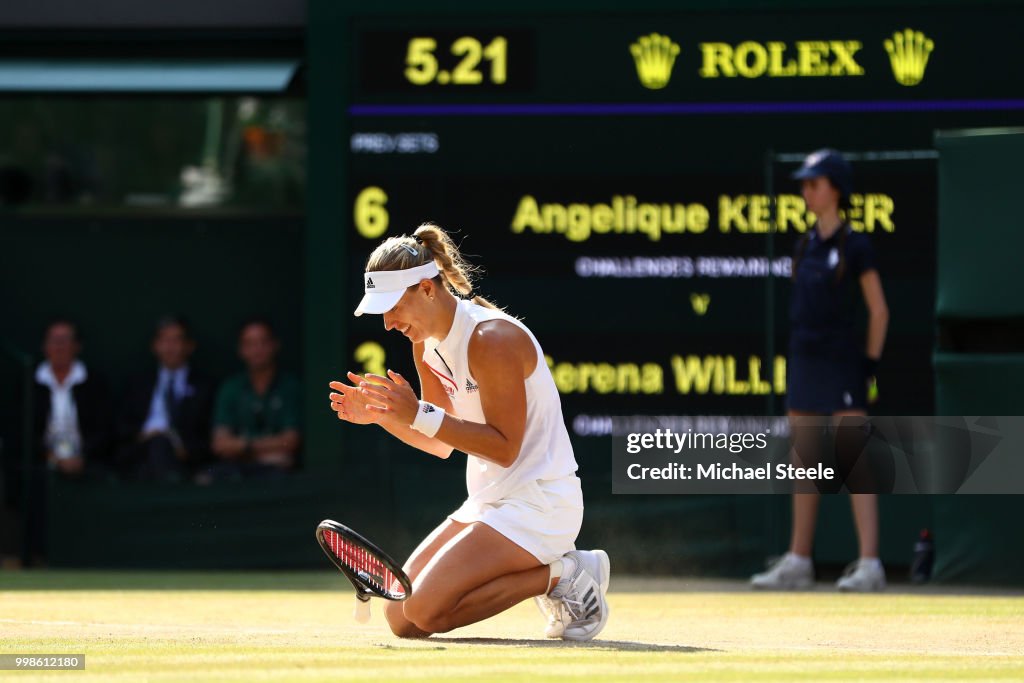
(428, 418)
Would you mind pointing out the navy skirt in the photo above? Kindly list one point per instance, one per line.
(817, 384)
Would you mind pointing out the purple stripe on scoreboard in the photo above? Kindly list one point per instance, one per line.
(681, 108)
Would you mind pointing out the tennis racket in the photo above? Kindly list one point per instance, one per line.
(371, 570)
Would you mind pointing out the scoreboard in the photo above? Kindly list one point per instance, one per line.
(622, 175)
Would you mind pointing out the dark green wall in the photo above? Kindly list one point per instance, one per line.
(979, 358)
(116, 276)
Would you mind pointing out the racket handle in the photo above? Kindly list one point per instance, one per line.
(361, 613)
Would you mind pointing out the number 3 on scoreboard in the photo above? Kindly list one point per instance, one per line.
(422, 66)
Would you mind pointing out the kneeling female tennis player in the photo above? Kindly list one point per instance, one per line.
(486, 391)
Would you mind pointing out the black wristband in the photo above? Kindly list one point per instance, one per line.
(870, 366)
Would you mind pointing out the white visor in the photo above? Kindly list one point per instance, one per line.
(383, 288)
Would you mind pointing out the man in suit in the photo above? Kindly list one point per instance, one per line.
(165, 423)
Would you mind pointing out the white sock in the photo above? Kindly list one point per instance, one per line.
(567, 566)
(801, 560)
(872, 562)
(556, 572)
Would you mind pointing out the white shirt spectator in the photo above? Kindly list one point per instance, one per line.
(63, 437)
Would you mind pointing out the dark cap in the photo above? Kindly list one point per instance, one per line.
(830, 164)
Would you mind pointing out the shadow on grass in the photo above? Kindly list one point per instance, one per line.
(617, 645)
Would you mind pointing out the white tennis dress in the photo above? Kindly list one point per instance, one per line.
(536, 502)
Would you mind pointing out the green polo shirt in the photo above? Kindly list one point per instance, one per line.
(248, 414)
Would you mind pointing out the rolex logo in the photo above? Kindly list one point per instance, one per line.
(908, 53)
(654, 56)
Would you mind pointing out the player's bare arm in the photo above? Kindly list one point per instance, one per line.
(501, 357)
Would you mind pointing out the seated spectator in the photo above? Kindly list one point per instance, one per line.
(256, 420)
(72, 408)
(72, 423)
(165, 423)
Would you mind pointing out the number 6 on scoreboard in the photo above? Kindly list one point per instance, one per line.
(370, 212)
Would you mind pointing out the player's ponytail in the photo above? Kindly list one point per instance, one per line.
(429, 242)
(456, 272)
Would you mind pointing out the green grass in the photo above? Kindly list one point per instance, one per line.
(160, 626)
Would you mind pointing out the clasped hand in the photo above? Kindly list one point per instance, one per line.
(373, 399)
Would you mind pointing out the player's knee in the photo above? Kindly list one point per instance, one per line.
(400, 624)
(407, 630)
(430, 617)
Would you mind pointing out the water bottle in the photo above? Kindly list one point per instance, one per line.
(924, 558)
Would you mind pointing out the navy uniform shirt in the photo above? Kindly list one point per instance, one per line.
(822, 311)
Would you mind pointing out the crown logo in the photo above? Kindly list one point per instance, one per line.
(908, 53)
(654, 56)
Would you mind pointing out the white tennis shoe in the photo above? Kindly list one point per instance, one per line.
(862, 576)
(551, 610)
(788, 573)
(576, 608)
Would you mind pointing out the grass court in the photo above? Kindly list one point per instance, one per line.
(162, 626)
